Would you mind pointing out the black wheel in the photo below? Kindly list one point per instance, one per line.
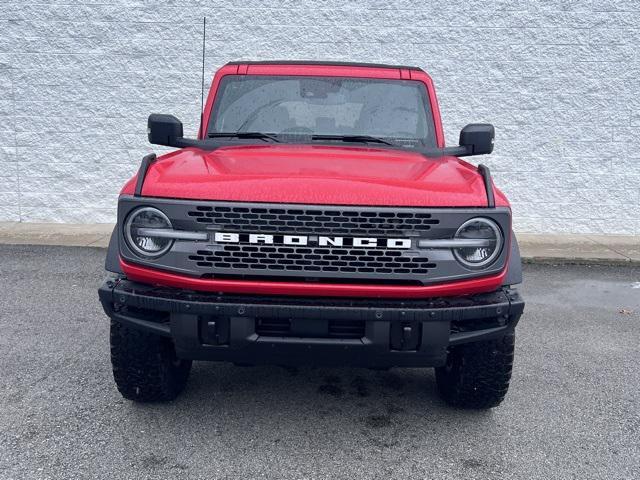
(477, 374)
(145, 366)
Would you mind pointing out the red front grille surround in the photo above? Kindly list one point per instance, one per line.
(462, 287)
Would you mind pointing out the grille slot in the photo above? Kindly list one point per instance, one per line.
(346, 329)
(310, 328)
(311, 220)
(273, 327)
(273, 258)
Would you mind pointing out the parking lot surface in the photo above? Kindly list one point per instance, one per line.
(572, 411)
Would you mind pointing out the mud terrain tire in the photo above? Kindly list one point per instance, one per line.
(477, 375)
(145, 366)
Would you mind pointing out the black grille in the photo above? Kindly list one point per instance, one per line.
(269, 258)
(310, 328)
(273, 327)
(316, 262)
(460, 326)
(346, 329)
(311, 220)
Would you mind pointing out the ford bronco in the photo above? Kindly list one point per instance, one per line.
(317, 219)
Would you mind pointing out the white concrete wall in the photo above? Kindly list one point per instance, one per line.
(559, 80)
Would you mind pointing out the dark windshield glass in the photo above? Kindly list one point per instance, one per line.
(394, 110)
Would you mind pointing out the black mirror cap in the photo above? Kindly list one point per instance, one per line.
(478, 138)
(164, 129)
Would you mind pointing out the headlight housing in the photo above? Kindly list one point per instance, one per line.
(145, 245)
(488, 236)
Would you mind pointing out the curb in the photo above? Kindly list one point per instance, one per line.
(557, 261)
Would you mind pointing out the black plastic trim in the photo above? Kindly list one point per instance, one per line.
(488, 315)
(174, 300)
(479, 335)
(112, 260)
(460, 151)
(147, 160)
(162, 329)
(323, 62)
(488, 185)
(514, 268)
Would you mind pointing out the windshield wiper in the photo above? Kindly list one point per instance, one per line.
(354, 138)
(258, 135)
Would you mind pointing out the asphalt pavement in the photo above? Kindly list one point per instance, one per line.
(573, 410)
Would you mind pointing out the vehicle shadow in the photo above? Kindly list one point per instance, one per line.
(377, 404)
(269, 417)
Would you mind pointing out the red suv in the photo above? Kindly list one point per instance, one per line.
(318, 218)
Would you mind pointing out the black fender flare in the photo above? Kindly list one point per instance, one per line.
(514, 269)
(112, 262)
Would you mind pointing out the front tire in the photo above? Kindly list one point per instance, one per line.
(477, 374)
(145, 366)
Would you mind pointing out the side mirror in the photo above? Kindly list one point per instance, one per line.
(477, 138)
(164, 130)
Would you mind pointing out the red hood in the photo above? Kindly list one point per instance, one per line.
(331, 175)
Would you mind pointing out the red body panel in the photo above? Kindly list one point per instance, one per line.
(316, 174)
(462, 287)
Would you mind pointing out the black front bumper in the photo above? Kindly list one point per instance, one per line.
(321, 331)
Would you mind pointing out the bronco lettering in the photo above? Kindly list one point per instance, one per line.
(323, 241)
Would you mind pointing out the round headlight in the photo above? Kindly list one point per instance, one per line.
(486, 235)
(143, 244)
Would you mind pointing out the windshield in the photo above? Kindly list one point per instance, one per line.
(302, 108)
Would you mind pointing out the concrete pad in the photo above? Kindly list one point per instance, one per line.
(633, 253)
(102, 242)
(629, 246)
(573, 248)
(560, 240)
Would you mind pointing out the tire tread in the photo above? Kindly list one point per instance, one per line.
(479, 373)
(145, 367)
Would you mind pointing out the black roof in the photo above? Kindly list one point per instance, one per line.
(321, 62)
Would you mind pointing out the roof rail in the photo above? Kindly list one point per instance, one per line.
(322, 62)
